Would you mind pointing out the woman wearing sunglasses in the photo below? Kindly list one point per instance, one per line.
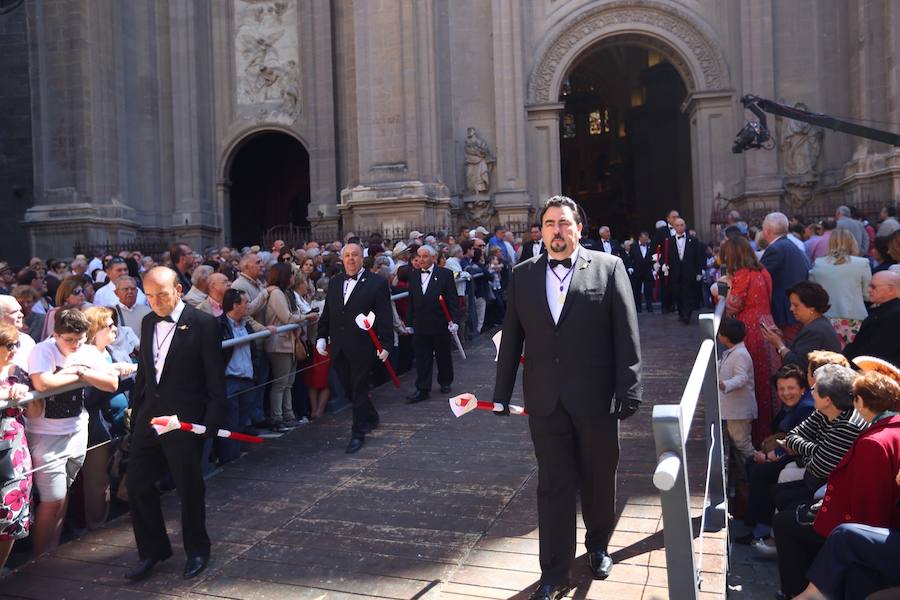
(69, 294)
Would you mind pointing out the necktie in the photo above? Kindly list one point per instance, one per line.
(680, 237)
(167, 319)
(566, 262)
(353, 277)
(426, 272)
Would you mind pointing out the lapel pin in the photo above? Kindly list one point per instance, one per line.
(183, 327)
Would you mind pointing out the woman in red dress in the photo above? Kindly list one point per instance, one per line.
(749, 300)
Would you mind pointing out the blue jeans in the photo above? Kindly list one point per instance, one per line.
(262, 369)
(239, 403)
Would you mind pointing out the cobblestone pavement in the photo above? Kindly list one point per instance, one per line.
(432, 507)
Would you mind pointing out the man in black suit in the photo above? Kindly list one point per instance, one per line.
(575, 393)
(686, 260)
(642, 281)
(662, 237)
(431, 332)
(607, 244)
(533, 247)
(180, 372)
(354, 292)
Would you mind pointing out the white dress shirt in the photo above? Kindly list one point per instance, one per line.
(162, 339)
(536, 248)
(644, 250)
(680, 241)
(558, 277)
(607, 246)
(426, 277)
(350, 284)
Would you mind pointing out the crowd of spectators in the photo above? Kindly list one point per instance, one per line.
(810, 394)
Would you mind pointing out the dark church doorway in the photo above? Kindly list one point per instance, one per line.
(269, 175)
(625, 150)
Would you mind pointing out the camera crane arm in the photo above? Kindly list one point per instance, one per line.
(760, 106)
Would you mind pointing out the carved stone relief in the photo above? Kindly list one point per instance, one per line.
(635, 13)
(267, 59)
(801, 147)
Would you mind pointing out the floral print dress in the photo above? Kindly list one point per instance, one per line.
(15, 493)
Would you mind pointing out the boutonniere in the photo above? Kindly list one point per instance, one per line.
(183, 327)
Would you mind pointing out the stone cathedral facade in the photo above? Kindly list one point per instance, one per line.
(212, 120)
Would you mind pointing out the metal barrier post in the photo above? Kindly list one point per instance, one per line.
(717, 509)
(672, 480)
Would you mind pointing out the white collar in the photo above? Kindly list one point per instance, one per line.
(179, 308)
(126, 308)
(573, 256)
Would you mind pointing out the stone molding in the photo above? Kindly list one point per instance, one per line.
(649, 23)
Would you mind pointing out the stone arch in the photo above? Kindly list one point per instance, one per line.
(684, 39)
(237, 140)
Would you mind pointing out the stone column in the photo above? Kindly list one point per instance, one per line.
(762, 182)
(511, 196)
(712, 131)
(397, 141)
(77, 191)
(543, 151)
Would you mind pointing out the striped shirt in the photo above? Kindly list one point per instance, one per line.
(821, 444)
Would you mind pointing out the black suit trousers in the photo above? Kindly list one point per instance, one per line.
(572, 452)
(147, 460)
(648, 284)
(354, 377)
(798, 544)
(431, 348)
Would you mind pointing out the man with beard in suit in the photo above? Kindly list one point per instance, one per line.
(642, 281)
(351, 293)
(686, 260)
(180, 372)
(575, 393)
(431, 332)
(533, 247)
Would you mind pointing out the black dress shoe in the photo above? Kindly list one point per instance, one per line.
(354, 445)
(548, 591)
(417, 397)
(144, 568)
(445, 389)
(601, 564)
(195, 565)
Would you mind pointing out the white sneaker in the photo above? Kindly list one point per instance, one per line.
(302, 421)
(765, 548)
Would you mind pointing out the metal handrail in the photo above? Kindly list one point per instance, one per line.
(671, 426)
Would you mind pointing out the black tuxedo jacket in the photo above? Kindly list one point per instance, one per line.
(424, 313)
(192, 385)
(643, 266)
(590, 356)
(338, 321)
(686, 269)
(614, 245)
(528, 250)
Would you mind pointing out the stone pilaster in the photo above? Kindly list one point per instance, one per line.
(543, 150)
(511, 194)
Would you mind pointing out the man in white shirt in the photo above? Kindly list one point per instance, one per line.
(106, 295)
(199, 286)
(129, 312)
(534, 246)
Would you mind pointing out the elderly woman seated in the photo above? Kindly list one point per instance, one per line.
(861, 488)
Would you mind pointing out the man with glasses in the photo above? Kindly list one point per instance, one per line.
(106, 295)
(878, 334)
(11, 312)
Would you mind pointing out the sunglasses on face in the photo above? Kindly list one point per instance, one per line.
(13, 346)
(77, 292)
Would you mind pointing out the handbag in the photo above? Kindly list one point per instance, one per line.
(301, 352)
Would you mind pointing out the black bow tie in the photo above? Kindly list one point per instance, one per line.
(167, 319)
(428, 272)
(354, 277)
(680, 237)
(566, 262)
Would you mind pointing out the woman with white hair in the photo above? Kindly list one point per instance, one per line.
(846, 277)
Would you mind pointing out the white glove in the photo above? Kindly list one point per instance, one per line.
(630, 271)
(699, 277)
(382, 356)
(320, 347)
(410, 330)
(665, 270)
(452, 327)
(656, 266)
